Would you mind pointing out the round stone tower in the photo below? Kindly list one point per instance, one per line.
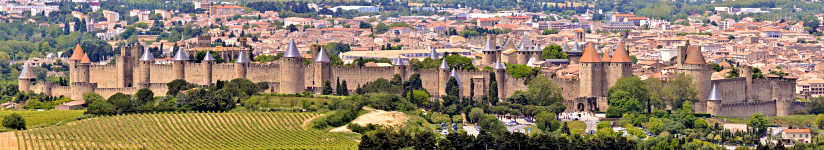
(500, 77)
(746, 72)
(207, 63)
(74, 61)
(443, 77)
(145, 64)
(179, 64)
(574, 53)
(83, 74)
(241, 64)
(291, 65)
(697, 67)
(26, 78)
(714, 102)
(590, 73)
(400, 67)
(619, 66)
(490, 51)
(783, 107)
(322, 67)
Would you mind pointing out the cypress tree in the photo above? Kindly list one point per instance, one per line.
(471, 88)
(337, 87)
(344, 90)
(493, 88)
(452, 87)
(327, 88)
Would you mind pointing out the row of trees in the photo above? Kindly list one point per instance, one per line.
(387, 139)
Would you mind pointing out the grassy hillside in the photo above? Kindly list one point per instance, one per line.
(259, 130)
(44, 118)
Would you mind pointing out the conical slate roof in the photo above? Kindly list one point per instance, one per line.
(576, 48)
(322, 57)
(621, 54)
(208, 57)
(292, 50)
(242, 58)
(525, 41)
(488, 46)
(455, 74)
(181, 56)
(565, 47)
(77, 54)
(26, 72)
(433, 54)
(694, 56)
(147, 55)
(537, 48)
(444, 65)
(85, 59)
(523, 48)
(590, 55)
(714, 94)
(499, 65)
(398, 61)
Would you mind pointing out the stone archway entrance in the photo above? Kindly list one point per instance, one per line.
(580, 107)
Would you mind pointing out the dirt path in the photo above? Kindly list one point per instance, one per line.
(306, 122)
(380, 117)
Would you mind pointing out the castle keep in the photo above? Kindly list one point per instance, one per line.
(135, 68)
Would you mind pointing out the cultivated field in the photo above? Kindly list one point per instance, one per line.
(44, 118)
(257, 130)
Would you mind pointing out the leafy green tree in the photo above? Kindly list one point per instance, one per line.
(545, 121)
(733, 73)
(476, 114)
(554, 52)
(716, 67)
(424, 140)
(100, 107)
(120, 101)
(623, 102)
(636, 89)
(417, 97)
(679, 90)
(758, 122)
(14, 121)
(819, 121)
(178, 85)
(700, 124)
(91, 97)
(344, 90)
(246, 86)
(543, 92)
(143, 97)
(493, 89)
(201, 54)
(654, 125)
(548, 31)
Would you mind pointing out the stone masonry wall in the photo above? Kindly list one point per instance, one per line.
(731, 90)
(569, 87)
(161, 73)
(223, 71)
(103, 75)
(263, 73)
(360, 75)
(761, 88)
(745, 110)
(194, 72)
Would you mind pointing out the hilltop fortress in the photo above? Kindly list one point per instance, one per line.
(734, 97)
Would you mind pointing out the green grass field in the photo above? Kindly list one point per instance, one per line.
(577, 126)
(44, 118)
(257, 130)
(795, 120)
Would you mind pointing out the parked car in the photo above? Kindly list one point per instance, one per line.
(445, 132)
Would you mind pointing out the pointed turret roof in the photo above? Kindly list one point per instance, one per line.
(444, 65)
(499, 65)
(565, 47)
(181, 56)
(523, 48)
(458, 79)
(525, 41)
(147, 55)
(26, 72)
(590, 55)
(621, 54)
(77, 54)
(85, 59)
(536, 48)
(242, 58)
(508, 45)
(694, 56)
(714, 94)
(433, 54)
(322, 57)
(605, 57)
(398, 61)
(576, 48)
(292, 49)
(488, 46)
(208, 57)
